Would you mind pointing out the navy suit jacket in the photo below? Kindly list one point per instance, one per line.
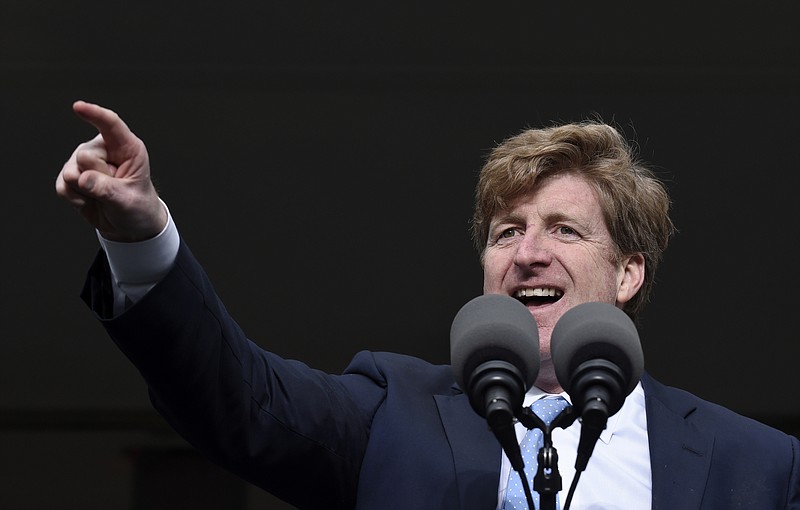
(393, 431)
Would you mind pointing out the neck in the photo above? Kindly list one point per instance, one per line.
(547, 381)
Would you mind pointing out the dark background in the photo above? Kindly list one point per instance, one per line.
(319, 158)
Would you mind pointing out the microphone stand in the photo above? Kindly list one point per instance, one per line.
(547, 481)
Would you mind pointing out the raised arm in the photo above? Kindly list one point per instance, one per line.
(108, 179)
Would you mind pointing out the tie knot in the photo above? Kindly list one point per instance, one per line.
(548, 408)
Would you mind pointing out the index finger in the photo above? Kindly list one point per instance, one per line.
(114, 131)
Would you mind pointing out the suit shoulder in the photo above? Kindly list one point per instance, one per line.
(710, 415)
(401, 369)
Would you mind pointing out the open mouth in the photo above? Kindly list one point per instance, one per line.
(538, 296)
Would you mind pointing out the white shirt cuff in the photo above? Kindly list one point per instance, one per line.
(136, 267)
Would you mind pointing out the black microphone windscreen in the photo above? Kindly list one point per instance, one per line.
(596, 331)
(494, 327)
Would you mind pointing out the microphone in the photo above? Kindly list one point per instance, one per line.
(598, 360)
(494, 353)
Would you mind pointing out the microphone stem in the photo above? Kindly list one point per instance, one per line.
(593, 422)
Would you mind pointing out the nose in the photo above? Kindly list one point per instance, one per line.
(532, 250)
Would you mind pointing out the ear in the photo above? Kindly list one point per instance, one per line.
(631, 278)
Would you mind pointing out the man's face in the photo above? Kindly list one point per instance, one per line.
(552, 250)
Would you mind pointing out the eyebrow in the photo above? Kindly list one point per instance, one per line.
(508, 217)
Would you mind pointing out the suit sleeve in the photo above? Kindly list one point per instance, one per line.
(277, 423)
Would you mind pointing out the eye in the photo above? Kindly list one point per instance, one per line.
(567, 231)
(508, 233)
(505, 235)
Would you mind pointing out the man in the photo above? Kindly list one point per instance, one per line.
(563, 216)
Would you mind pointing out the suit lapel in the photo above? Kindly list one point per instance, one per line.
(476, 452)
(680, 454)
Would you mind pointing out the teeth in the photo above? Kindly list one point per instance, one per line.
(538, 292)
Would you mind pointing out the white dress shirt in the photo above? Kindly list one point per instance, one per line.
(617, 476)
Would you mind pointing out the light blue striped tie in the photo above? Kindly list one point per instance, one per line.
(547, 409)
